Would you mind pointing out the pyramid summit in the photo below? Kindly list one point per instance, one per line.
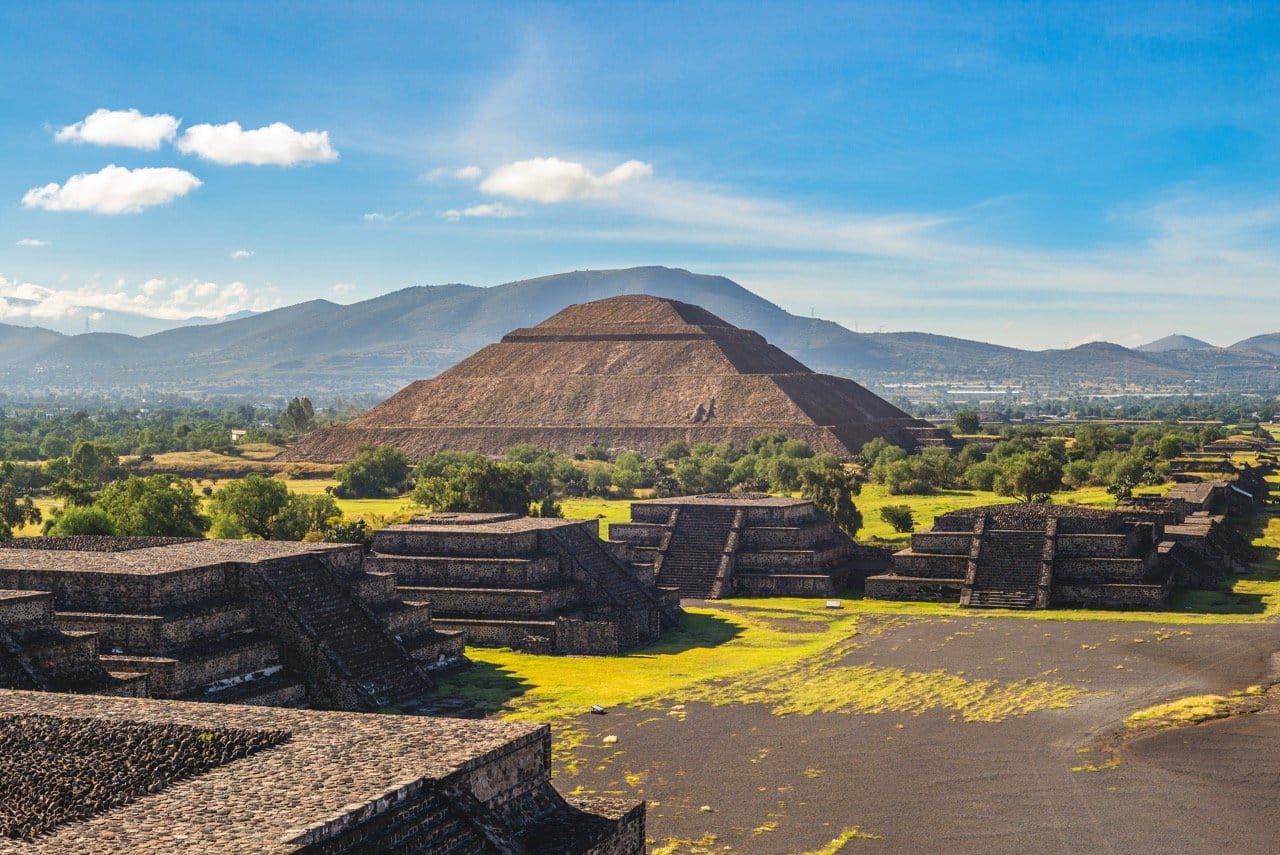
(632, 372)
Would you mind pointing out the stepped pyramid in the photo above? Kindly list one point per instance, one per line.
(630, 372)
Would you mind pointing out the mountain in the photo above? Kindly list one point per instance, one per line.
(1173, 342)
(377, 346)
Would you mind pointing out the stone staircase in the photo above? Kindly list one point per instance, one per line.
(577, 545)
(690, 559)
(348, 634)
(1008, 570)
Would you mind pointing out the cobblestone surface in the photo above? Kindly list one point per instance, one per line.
(332, 765)
(157, 559)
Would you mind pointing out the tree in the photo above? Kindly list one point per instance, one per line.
(899, 517)
(248, 506)
(676, 449)
(482, 486)
(299, 416)
(155, 506)
(1029, 475)
(373, 473)
(304, 515)
(966, 422)
(15, 512)
(80, 520)
(832, 491)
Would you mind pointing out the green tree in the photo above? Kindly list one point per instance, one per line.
(248, 506)
(1029, 475)
(676, 449)
(832, 491)
(479, 486)
(373, 473)
(155, 506)
(79, 520)
(299, 416)
(306, 516)
(966, 422)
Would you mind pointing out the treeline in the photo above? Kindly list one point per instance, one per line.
(1030, 463)
(47, 434)
(1231, 409)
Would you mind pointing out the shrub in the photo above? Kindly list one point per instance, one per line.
(899, 517)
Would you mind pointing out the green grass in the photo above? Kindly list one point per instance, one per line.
(609, 511)
(781, 653)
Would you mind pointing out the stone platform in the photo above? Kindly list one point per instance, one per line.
(504, 580)
(280, 781)
(726, 544)
(1037, 556)
(251, 622)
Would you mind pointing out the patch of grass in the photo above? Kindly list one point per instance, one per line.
(759, 662)
(607, 510)
(837, 844)
(1193, 710)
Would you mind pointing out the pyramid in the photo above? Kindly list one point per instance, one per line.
(632, 372)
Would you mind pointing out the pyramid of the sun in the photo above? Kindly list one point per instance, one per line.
(630, 372)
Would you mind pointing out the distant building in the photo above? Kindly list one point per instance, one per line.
(238, 434)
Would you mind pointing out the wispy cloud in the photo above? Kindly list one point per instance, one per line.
(32, 242)
(113, 190)
(156, 298)
(276, 144)
(390, 216)
(128, 128)
(443, 173)
(341, 289)
(238, 254)
(495, 210)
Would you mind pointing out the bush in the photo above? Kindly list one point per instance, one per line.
(80, 520)
(373, 473)
(899, 517)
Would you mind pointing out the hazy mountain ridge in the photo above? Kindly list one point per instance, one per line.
(319, 347)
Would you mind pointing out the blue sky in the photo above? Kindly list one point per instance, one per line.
(1030, 174)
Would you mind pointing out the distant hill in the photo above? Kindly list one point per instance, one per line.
(1174, 342)
(378, 345)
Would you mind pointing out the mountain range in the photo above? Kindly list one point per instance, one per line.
(376, 346)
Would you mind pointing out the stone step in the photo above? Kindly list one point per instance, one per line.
(273, 688)
(58, 654)
(23, 611)
(190, 669)
(158, 634)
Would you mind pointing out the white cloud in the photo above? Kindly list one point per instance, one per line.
(113, 190)
(122, 127)
(340, 288)
(32, 242)
(242, 253)
(276, 144)
(467, 173)
(550, 179)
(492, 209)
(155, 298)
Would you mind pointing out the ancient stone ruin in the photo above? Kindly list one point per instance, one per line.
(548, 585)
(124, 775)
(1036, 556)
(632, 372)
(250, 622)
(725, 544)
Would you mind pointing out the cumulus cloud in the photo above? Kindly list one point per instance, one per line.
(493, 209)
(341, 288)
(32, 242)
(242, 253)
(122, 127)
(276, 144)
(467, 173)
(550, 179)
(113, 190)
(156, 298)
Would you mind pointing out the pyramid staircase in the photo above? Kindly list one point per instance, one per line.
(691, 554)
(613, 577)
(348, 635)
(1008, 569)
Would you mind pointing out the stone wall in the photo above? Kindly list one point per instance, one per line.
(1111, 596)
(1100, 571)
(930, 566)
(909, 588)
(785, 585)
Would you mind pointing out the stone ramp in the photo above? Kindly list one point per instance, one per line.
(379, 670)
(580, 547)
(1008, 570)
(690, 560)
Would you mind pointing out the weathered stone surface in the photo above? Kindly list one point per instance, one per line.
(326, 782)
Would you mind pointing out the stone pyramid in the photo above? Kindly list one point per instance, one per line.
(631, 372)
